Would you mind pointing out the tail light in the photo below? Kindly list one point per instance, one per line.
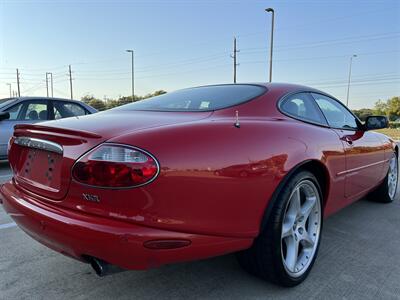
(116, 166)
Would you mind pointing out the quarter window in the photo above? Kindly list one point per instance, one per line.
(67, 109)
(302, 106)
(35, 111)
(335, 113)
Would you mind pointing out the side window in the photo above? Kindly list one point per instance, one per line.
(302, 106)
(35, 111)
(14, 111)
(29, 111)
(67, 109)
(336, 114)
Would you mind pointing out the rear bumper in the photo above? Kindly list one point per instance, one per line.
(119, 243)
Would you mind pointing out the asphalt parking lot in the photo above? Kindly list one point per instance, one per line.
(359, 259)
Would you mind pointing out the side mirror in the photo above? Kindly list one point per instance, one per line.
(376, 122)
(4, 115)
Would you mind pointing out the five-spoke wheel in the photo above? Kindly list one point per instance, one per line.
(287, 246)
(393, 177)
(387, 191)
(301, 228)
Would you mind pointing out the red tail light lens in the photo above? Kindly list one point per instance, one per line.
(116, 166)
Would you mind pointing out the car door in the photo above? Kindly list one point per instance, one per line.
(25, 112)
(363, 149)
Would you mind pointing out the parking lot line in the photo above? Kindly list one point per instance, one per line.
(7, 225)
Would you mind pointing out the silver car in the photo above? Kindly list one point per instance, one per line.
(29, 110)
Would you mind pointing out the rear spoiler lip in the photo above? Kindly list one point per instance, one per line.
(59, 130)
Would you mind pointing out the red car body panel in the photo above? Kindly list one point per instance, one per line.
(215, 183)
(74, 234)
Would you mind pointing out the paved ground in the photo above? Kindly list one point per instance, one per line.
(359, 259)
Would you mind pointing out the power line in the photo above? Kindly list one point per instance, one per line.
(348, 40)
(158, 75)
(373, 82)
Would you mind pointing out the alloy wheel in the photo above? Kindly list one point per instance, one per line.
(392, 177)
(301, 228)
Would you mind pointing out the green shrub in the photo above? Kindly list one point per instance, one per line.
(394, 125)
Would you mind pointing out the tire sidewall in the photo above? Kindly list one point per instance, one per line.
(281, 205)
(387, 180)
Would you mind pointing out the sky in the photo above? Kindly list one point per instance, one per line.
(180, 44)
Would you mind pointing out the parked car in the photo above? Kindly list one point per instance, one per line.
(30, 110)
(247, 168)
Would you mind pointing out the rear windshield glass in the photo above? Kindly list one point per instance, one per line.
(199, 99)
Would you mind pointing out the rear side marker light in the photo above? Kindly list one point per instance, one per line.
(166, 244)
(116, 166)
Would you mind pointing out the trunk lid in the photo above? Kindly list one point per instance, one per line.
(41, 167)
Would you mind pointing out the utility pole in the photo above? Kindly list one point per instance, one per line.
(234, 56)
(47, 85)
(133, 78)
(19, 91)
(70, 81)
(9, 85)
(51, 81)
(348, 83)
(271, 10)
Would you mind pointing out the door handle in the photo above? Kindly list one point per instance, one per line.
(348, 140)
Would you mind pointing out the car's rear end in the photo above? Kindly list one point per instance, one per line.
(80, 191)
(51, 206)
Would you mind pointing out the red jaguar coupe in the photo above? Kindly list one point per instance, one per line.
(247, 168)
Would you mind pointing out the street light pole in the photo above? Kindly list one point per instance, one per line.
(348, 83)
(133, 78)
(9, 85)
(271, 10)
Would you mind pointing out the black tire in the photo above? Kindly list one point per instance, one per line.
(381, 194)
(264, 259)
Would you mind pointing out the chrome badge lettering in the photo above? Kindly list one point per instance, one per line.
(91, 198)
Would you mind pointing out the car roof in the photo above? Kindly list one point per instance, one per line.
(16, 100)
(23, 98)
(290, 87)
(274, 86)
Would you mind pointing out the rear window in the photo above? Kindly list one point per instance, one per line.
(199, 99)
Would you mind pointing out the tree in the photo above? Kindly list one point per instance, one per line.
(125, 100)
(87, 98)
(159, 92)
(389, 108)
(393, 108)
(380, 107)
(112, 104)
(97, 104)
(363, 113)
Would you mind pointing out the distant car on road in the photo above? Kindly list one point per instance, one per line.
(30, 110)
